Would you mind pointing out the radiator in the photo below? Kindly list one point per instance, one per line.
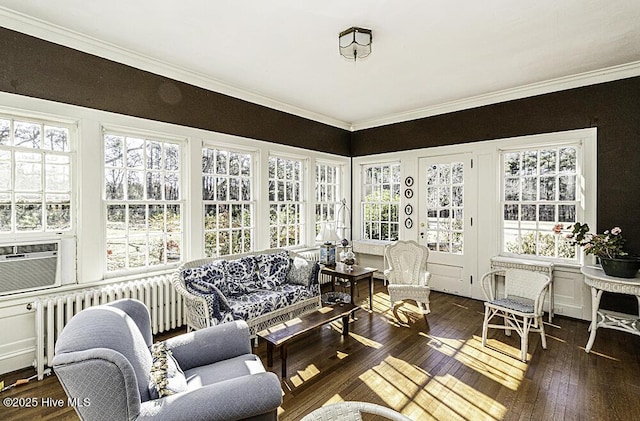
(54, 312)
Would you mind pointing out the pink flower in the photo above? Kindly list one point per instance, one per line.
(557, 228)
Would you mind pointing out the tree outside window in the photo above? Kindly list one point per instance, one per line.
(381, 202)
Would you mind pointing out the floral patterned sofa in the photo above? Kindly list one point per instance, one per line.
(263, 288)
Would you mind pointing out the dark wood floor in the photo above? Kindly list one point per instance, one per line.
(437, 369)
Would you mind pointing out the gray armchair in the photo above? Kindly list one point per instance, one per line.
(103, 361)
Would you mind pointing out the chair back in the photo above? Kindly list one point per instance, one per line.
(408, 260)
(524, 283)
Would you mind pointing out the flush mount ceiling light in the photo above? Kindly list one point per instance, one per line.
(355, 43)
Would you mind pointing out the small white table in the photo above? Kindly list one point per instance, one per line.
(599, 282)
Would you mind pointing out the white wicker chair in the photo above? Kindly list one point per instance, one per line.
(352, 411)
(520, 306)
(407, 277)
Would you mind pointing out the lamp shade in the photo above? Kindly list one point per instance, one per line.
(355, 43)
(327, 234)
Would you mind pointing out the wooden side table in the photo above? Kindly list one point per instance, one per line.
(599, 282)
(352, 276)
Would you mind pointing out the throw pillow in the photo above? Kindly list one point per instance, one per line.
(273, 269)
(214, 273)
(302, 271)
(216, 301)
(166, 377)
(242, 277)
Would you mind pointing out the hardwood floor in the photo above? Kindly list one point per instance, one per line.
(437, 369)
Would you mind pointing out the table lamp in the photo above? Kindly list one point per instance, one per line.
(328, 236)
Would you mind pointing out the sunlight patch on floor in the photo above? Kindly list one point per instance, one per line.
(494, 364)
(302, 376)
(412, 391)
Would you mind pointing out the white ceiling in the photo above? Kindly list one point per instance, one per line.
(429, 56)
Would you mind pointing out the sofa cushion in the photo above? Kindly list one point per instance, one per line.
(242, 365)
(272, 269)
(214, 273)
(253, 304)
(290, 294)
(242, 277)
(302, 271)
(166, 378)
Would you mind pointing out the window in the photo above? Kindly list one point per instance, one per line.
(445, 207)
(142, 190)
(327, 194)
(381, 202)
(35, 177)
(286, 208)
(540, 190)
(228, 207)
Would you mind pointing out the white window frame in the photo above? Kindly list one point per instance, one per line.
(366, 233)
(298, 225)
(586, 184)
(225, 234)
(168, 237)
(12, 192)
(328, 193)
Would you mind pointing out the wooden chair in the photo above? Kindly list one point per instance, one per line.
(407, 276)
(520, 306)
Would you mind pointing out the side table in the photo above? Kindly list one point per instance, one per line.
(352, 276)
(599, 282)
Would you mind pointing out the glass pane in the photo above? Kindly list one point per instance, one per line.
(156, 250)
(530, 163)
(511, 164)
(116, 254)
(211, 244)
(457, 173)
(154, 186)
(567, 160)
(221, 187)
(171, 186)
(26, 135)
(546, 245)
(56, 139)
(529, 189)
(528, 212)
(221, 162)
(456, 196)
(57, 179)
(58, 212)
(28, 172)
(208, 156)
(114, 187)
(137, 218)
(234, 164)
(547, 213)
(208, 188)
(512, 189)
(445, 174)
(173, 218)
(174, 248)
(28, 216)
(135, 153)
(154, 155)
(5, 132)
(548, 161)
(246, 189)
(137, 252)
(5, 213)
(113, 146)
(171, 157)
(547, 188)
(567, 213)
(156, 218)
(567, 188)
(116, 221)
(5, 175)
(135, 186)
(511, 213)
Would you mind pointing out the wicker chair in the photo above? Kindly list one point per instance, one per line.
(407, 276)
(520, 306)
(352, 411)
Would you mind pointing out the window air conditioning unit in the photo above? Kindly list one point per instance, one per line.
(28, 267)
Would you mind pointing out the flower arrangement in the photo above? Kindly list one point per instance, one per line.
(609, 244)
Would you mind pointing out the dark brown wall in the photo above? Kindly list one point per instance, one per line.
(36, 68)
(613, 107)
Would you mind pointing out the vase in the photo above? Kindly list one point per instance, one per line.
(621, 267)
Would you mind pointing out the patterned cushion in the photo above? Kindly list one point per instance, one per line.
(272, 269)
(251, 305)
(216, 301)
(242, 277)
(302, 271)
(166, 377)
(291, 294)
(214, 273)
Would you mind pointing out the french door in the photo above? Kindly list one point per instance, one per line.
(447, 202)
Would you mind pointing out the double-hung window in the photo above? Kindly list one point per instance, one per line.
(540, 190)
(286, 201)
(227, 181)
(327, 194)
(381, 201)
(35, 176)
(142, 197)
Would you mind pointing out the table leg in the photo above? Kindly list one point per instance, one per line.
(371, 292)
(345, 325)
(353, 291)
(269, 354)
(283, 360)
(551, 301)
(595, 303)
(333, 282)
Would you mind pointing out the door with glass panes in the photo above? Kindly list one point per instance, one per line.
(446, 221)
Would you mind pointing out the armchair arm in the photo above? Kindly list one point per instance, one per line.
(426, 277)
(487, 284)
(238, 398)
(212, 344)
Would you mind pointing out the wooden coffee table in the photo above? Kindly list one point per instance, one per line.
(283, 334)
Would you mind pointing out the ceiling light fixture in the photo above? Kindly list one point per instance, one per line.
(355, 43)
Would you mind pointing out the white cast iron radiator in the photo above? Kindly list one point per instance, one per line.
(54, 312)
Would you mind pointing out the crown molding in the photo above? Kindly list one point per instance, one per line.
(608, 74)
(44, 30)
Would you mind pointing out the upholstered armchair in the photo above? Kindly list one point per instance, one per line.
(105, 358)
(407, 275)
